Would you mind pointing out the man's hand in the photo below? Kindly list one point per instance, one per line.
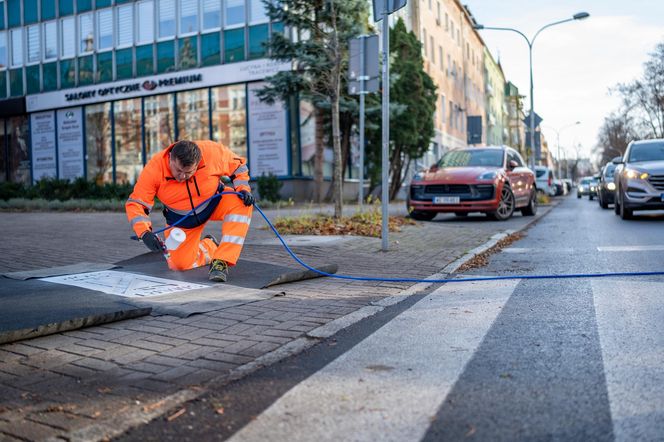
(151, 241)
(247, 198)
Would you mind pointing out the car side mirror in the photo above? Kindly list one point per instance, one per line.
(617, 160)
(511, 165)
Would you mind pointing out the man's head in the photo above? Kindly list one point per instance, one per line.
(184, 158)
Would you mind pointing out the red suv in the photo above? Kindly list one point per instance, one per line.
(493, 180)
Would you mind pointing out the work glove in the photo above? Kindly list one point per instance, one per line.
(151, 241)
(247, 198)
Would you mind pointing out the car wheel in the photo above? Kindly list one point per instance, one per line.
(590, 197)
(505, 205)
(422, 216)
(461, 214)
(616, 203)
(602, 201)
(531, 208)
(578, 195)
(625, 213)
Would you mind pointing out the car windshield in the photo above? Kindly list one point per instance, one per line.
(586, 180)
(540, 172)
(610, 169)
(472, 157)
(646, 152)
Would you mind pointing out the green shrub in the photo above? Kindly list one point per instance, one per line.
(269, 187)
(53, 189)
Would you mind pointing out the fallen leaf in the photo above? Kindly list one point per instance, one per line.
(176, 415)
(220, 410)
(104, 390)
(470, 432)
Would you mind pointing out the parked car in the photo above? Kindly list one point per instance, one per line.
(592, 189)
(606, 187)
(544, 180)
(584, 186)
(492, 180)
(639, 178)
(559, 187)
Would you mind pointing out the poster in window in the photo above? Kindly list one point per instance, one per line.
(268, 153)
(42, 127)
(70, 143)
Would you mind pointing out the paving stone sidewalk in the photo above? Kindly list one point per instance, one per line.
(94, 383)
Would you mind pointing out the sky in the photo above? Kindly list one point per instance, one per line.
(575, 64)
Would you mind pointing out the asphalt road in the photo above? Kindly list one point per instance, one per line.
(543, 359)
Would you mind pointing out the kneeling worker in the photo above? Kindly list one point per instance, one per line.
(182, 176)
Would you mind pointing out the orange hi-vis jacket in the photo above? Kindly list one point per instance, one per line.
(157, 180)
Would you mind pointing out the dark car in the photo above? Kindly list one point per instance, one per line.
(592, 187)
(639, 178)
(584, 186)
(606, 187)
(492, 180)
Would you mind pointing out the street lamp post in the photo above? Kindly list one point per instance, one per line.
(557, 131)
(577, 16)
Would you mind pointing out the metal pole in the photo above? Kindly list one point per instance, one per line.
(360, 196)
(386, 127)
(534, 150)
(559, 165)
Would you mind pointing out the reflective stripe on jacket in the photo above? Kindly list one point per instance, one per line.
(157, 180)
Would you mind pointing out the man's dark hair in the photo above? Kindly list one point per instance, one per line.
(186, 152)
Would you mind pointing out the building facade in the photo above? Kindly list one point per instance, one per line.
(93, 88)
(495, 105)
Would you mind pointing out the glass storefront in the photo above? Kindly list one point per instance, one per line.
(19, 156)
(193, 115)
(307, 137)
(229, 117)
(3, 152)
(128, 140)
(98, 143)
(159, 118)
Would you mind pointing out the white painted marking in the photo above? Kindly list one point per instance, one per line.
(652, 248)
(390, 385)
(630, 320)
(538, 250)
(124, 284)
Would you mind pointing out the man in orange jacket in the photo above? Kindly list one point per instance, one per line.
(183, 176)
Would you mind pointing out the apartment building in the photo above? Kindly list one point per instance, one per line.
(495, 104)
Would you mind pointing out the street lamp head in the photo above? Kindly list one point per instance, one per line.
(478, 26)
(580, 15)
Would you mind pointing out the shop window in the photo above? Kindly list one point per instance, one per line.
(123, 64)
(3, 49)
(98, 143)
(17, 47)
(145, 22)
(234, 12)
(3, 84)
(166, 18)
(67, 37)
(66, 7)
(50, 40)
(234, 45)
(125, 31)
(85, 71)
(50, 76)
(159, 123)
(105, 29)
(211, 14)
(47, 10)
(210, 49)
(144, 60)
(258, 38)
(307, 137)
(165, 56)
(187, 53)
(3, 144)
(82, 5)
(188, 16)
(128, 140)
(16, 82)
(19, 157)
(104, 67)
(30, 9)
(32, 79)
(86, 34)
(193, 115)
(229, 117)
(13, 13)
(67, 73)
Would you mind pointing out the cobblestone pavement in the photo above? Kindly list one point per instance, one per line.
(96, 382)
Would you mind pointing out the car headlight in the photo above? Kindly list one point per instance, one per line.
(488, 175)
(611, 186)
(633, 174)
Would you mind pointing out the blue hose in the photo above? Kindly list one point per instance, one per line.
(369, 278)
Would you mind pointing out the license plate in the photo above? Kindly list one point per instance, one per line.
(446, 200)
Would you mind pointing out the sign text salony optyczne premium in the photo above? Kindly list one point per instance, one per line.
(134, 87)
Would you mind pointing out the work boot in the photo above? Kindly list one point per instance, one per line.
(218, 270)
(214, 240)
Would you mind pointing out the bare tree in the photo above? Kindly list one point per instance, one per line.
(614, 135)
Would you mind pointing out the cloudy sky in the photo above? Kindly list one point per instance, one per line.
(576, 63)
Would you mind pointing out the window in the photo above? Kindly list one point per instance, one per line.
(17, 47)
(50, 76)
(452, 28)
(166, 18)
(442, 108)
(433, 49)
(82, 5)
(128, 140)
(447, 22)
(187, 52)
(102, 3)
(19, 158)
(67, 73)
(188, 16)
(234, 45)
(144, 60)
(3, 50)
(2, 26)
(3, 94)
(47, 9)
(210, 49)
(13, 13)
(229, 117)
(440, 57)
(211, 14)
(145, 22)
(450, 114)
(105, 29)
(98, 143)
(50, 40)
(66, 7)
(257, 11)
(85, 72)
(86, 34)
(193, 115)
(165, 56)
(34, 47)
(424, 41)
(30, 10)
(32, 79)
(123, 64)
(159, 123)
(125, 25)
(438, 13)
(258, 38)
(16, 82)
(104, 67)
(234, 12)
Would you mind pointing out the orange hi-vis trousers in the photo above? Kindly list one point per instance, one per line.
(194, 252)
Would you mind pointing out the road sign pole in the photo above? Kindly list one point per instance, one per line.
(362, 93)
(386, 126)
